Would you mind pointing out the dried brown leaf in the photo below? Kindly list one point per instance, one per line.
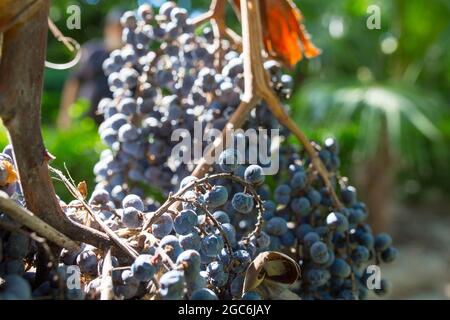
(271, 290)
(285, 36)
(271, 266)
(82, 188)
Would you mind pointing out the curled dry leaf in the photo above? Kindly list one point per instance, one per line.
(285, 36)
(270, 290)
(270, 274)
(82, 188)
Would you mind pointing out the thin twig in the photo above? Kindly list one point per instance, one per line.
(113, 236)
(68, 174)
(59, 35)
(121, 268)
(216, 11)
(278, 111)
(106, 287)
(216, 16)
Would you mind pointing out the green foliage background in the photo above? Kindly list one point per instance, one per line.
(330, 93)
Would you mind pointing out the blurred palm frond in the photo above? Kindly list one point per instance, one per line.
(410, 116)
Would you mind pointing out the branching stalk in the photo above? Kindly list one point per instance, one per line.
(177, 198)
(114, 237)
(257, 87)
(210, 217)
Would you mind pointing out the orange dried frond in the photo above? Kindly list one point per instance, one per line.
(12, 175)
(285, 37)
(280, 34)
(311, 51)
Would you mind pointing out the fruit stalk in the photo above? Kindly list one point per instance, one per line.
(257, 87)
(216, 15)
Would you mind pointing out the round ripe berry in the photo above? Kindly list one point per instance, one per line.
(221, 217)
(382, 241)
(190, 262)
(389, 255)
(87, 261)
(337, 221)
(229, 160)
(340, 268)
(310, 238)
(360, 255)
(190, 241)
(348, 195)
(172, 285)
(216, 197)
(163, 226)
(240, 261)
(185, 222)
(254, 174)
(319, 252)
(301, 206)
(282, 194)
(242, 202)
(317, 277)
(143, 268)
(211, 245)
(131, 218)
(99, 196)
(298, 180)
(276, 226)
(133, 201)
